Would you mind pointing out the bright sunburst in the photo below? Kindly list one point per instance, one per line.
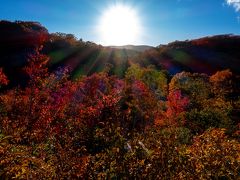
(119, 25)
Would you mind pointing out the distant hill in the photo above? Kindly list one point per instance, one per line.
(139, 48)
(205, 55)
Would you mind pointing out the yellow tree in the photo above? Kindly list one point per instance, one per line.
(213, 155)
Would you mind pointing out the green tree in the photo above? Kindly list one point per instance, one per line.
(195, 86)
(154, 79)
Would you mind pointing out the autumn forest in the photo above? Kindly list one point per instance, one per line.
(72, 109)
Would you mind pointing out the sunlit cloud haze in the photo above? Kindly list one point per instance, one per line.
(234, 3)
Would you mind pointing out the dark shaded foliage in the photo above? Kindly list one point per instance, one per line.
(205, 55)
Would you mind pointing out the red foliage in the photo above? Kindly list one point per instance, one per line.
(176, 103)
(56, 128)
(140, 105)
(176, 106)
(3, 78)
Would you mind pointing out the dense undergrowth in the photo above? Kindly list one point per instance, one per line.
(145, 126)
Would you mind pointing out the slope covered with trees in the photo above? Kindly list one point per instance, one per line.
(19, 39)
(143, 126)
(147, 124)
(204, 55)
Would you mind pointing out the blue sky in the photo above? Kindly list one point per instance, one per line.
(163, 21)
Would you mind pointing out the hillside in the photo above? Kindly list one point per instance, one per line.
(20, 39)
(204, 55)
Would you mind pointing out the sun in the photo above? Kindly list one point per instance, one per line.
(119, 25)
